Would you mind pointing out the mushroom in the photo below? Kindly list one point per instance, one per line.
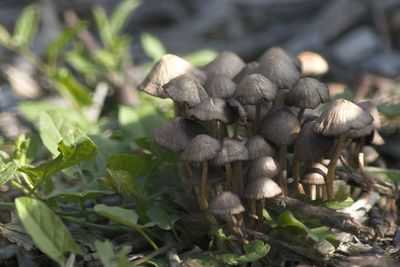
(263, 167)
(167, 68)
(201, 149)
(228, 204)
(247, 70)
(313, 64)
(256, 89)
(186, 89)
(307, 93)
(220, 86)
(226, 63)
(281, 127)
(313, 176)
(281, 53)
(338, 120)
(259, 147)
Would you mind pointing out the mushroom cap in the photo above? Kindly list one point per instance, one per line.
(307, 93)
(215, 175)
(220, 86)
(366, 131)
(372, 109)
(263, 167)
(176, 134)
(311, 145)
(312, 64)
(254, 89)
(341, 117)
(201, 148)
(225, 203)
(279, 67)
(213, 108)
(259, 147)
(261, 187)
(226, 63)
(167, 68)
(232, 150)
(185, 88)
(370, 154)
(377, 139)
(281, 127)
(315, 174)
(247, 70)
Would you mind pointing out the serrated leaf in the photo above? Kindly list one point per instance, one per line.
(152, 47)
(26, 26)
(45, 228)
(161, 218)
(7, 171)
(71, 89)
(5, 37)
(25, 148)
(124, 216)
(254, 250)
(120, 15)
(68, 34)
(201, 57)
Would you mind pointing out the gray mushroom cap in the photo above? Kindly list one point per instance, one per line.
(227, 63)
(281, 127)
(167, 68)
(315, 174)
(254, 89)
(185, 88)
(225, 203)
(260, 188)
(341, 117)
(279, 52)
(263, 167)
(369, 107)
(307, 93)
(259, 147)
(232, 150)
(213, 108)
(220, 86)
(176, 134)
(247, 70)
(201, 148)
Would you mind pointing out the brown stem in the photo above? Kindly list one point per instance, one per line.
(300, 114)
(252, 212)
(203, 188)
(234, 228)
(282, 170)
(228, 183)
(237, 182)
(332, 165)
(313, 191)
(296, 177)
(367, 181)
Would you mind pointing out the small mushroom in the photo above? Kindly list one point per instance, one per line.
(313, 176)
(220, 86)
(338, 120)
(263, 167)
(313, 64)
(259, 147)
(247, 70)
(226, 63)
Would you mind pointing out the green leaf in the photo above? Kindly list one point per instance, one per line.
(103, 25)
(161, 218)
(5, 37)
(49, 132)
(324, 233)
(105, 58)
(390, 111)
(71, 89)
(66, 36)
(45, 228)
(331, 204)
(140, 121)
(81, 63)
(152, 46)
(120, 15)
(107, 255)
(201, 57)
(124, 216)
(26, 26)
(389, 175)
(83, 149)
(254, 250)
(269, 219)
(7, 171)
(75, 196)
(219, 233)
(25, 148)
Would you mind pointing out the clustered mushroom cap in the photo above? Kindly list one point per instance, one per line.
(232, 150)
(185, 88)
(262, 187)
(247, 70)
(254, 89)
(226, 63)
(201, 148)
(315, 174)
(281, 127)
(225, 203)
(263, 167)
(166, 69)
(176, 134)
(341, 117)
(213, 108)
(279, 52)
(259, 147)
(307, 93)
(220, 86)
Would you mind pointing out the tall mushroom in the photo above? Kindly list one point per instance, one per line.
(313, 176)
(341, 117)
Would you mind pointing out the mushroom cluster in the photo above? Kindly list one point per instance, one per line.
(236, 123)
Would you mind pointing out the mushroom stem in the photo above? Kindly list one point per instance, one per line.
(367, 181)
(261, 220)
(313, 191)
(300, 114)
(332, 165)
(296, 177)
(252, 212)
(282, 170)
(234, 228)
(228, 183)
(237, 181)
(203, 188)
